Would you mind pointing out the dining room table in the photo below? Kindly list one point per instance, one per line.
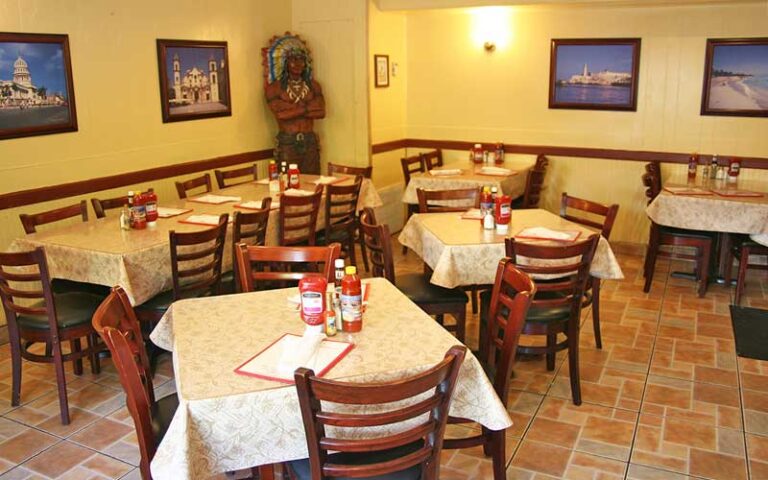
(460, 252)
(507, 178)
(228, 421)
(714, 205)
(100, 252)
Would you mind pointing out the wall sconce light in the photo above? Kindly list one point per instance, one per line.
(489, 46)
(491, 27)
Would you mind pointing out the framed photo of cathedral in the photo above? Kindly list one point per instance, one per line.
(594, 74)
(36, 92)
(194, 79)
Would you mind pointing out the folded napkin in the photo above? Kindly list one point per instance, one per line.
(687, 190)
(263, 181)
(326, 180)
(203, 219)
(295, 192)
(165, 212)
(299, 352)
(445, 172)
(252, 205)
(498, 171)
(472, 214)
(543, 233)
(214, 199)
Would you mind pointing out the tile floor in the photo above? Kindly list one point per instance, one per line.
(666, 398)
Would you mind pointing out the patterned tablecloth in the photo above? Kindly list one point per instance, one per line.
(227, 421)
(461, 253)
(762, 239)
(513, 185)
(714, 213)
(99, 252)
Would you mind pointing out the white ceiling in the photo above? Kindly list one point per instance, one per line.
(434, 4)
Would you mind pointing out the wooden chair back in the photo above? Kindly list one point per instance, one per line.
(262, 268)
(31, 221)
(378, 244)
(433, 159)
(196, 259)
(654, 169)
(249, 228)
(100, 206)
(298, 218)
(412, 164)
(563, 271)
(534, 183)
(137, 401)
(183, 188)
(459, 200)
(598, 215)
(542, 162)
(116, 312)
(341, 208)
(223, 175)
(365, 172)
(511, 297)
(652, 188)
(25, 280)
(425, 438)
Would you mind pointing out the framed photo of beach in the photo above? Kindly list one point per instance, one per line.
(194, 79)
(594, 74)
(736, 78)
(36, 92)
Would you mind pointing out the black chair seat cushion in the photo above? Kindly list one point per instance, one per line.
(417, 288)
(72, 309)
(162, 412)
(535, 313)
(340, 236)
(159, 302)
(60, 285)
(301, 467)
(682, 232)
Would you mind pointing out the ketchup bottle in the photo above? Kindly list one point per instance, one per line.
(477, 153)
(293, 176)
(498, 154)
(351, 301)
(139, 213)
(693, 163)
(273, 174)
(503, 213)
(312, 294)
(734, 166)
(151, 207)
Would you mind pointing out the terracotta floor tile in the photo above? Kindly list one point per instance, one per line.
(757, 454)
(101, 434)
(521, 407)
(25, 444)
(602, 385)
(641, 472)
(59, 459)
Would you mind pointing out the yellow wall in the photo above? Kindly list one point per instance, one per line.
(457, 91)
(114, 64)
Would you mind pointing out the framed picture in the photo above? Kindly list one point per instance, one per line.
(736, 78)
(36, 93)
(381, 63)
(594, 74)
(194, 79)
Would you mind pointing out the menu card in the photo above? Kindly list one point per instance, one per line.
(687, 191)
(214, 199)
(253, 205)
(210, 220)
(444, 172)
(724, 192)
(496, 171)
(281, 358)
(328, 180)
(472, 214)
(543, 233)
(165, 212)
(296, 192)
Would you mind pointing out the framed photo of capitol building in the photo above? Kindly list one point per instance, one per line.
(36, 92)
(736, 78)
(594, 74)
(194, 79)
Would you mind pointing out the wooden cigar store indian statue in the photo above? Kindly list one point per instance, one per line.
(295, 99)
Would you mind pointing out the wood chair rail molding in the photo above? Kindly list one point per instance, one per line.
(552, 150)
(83, 187)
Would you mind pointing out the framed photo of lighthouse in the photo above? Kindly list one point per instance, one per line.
(594, 74)
(194, 79)
(36, 92)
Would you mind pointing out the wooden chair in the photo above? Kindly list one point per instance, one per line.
(661, 236)
(250, 228)
(36, 315)
(434, 201)
(601, 218)
(341, 222)
(261, 268)
(365, 172)
(410, 165)
(196, 259)
(511, 296)
(183, 188)
(556, 307)
(30, 222)
(297, 220)
(433, 159)
(534, 184)
(414, 452)
(100, 206)
(742, 250)
(336, 168)
(223, 175)
(433, 299)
